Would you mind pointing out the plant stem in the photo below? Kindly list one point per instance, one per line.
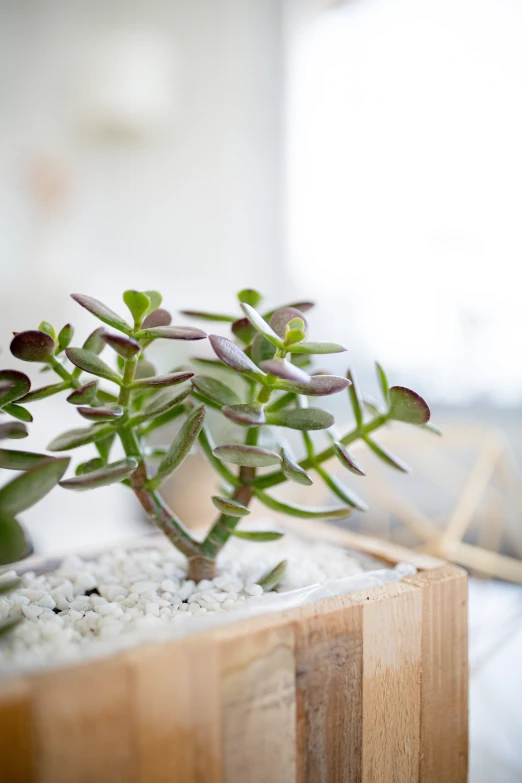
(156, 510)
(278, 477)
(64, 374)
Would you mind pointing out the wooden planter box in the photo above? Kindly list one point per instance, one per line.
(368, 687)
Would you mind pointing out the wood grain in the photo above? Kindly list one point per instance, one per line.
(16, 729)
(444, 710)
(82, 724)
(329, 657)
(176, 712)
(392, 629)
(259, 705)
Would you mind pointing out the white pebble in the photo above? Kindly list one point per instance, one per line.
(254, 589)
(142, 587)
(109, 609)
(32, 612)
(169, 586)
(47, 602)
(152, 608)
(186, 589)
(20, 600)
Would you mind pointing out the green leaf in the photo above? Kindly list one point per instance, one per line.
(114, 473)
(259, 323)
(14, 545)
(205, 316)
(170, 379)
(343, 493)
(171, 333)
(13, 430)
(283, 316)
(32, 346)
(95, 341)
(17, 412)
(235, 358)
(249, 296)
(65, 336)
(159, 317)
(45, 391)
(243, 330)
(87, 467)
(408, 406)
(319, 385)
(125, 347)
(295, 332)
(48, 328)
(302, 419)
(230, 507)
(286, 371)
(346, 459)
(262, 350)
(155, 301)
(90, 362)
(316, 348)
(386, 456)
(383, 381)
(19, 460)
(72, 439)
(181, 444)
(144, 369)
(102, 312)
(104, 446)
(293, 510)
(250, 415)
(102, 413)
(27, 489)
(274, 577)
(13, 386)
(85, 395)
(293, 471)
(159, 404)
(215, 390)
(355, 399)
(163, 419)
(431, 428)
(138, 304)
(257, 535)
(248, 456)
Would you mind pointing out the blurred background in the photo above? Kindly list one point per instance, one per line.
(362, 153)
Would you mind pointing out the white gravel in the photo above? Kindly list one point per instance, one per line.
(88, 608)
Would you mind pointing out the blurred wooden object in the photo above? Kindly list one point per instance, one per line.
(486, 499)
(370, 686)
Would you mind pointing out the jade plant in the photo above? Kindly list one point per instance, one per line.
(261, 380)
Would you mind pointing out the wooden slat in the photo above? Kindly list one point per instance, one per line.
(82, 720)
(16, 752)
(392, 629)
(329, 695)
(176, 712)
(259, 705)
(444, 710)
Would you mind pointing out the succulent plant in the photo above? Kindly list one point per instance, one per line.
(268, 363)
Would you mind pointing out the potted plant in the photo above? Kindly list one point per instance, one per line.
(349, 687)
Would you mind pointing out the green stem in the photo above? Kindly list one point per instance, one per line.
(222, 528)
(156, 510)
(278, 477)
(63, 373)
